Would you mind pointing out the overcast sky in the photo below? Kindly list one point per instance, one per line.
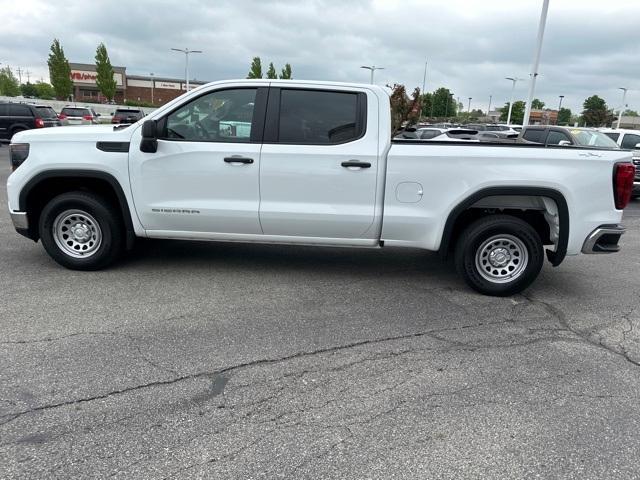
(590, 46)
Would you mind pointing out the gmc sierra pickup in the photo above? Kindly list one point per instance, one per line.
(303, 162)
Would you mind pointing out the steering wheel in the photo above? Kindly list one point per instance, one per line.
(201, 131)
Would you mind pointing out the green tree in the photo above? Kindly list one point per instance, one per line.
(59, 71)
(537, 104)
(564, 116)
(28, 90)
(286, 72)
(443, 103)
(255, 70)
(426, 101)
(271, 73)
(630, 113)
(44, 90)
(8, 83)
(595, 113)
(517, 112)
(104, 73)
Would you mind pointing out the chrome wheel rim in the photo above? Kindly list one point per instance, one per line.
(77, 233)
(501, 258)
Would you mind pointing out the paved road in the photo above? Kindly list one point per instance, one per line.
(198, 360)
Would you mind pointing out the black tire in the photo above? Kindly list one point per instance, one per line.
(489, 242)
(103, 221)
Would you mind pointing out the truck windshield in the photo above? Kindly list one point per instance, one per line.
(591, 138)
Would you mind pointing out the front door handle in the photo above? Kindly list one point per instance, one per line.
(238, 160)
(355, 163)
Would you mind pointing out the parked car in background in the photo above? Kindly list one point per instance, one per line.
(127, 115)
(628, 140)
(71, 115)
(16, 117)
(566, 136)
(437, 134)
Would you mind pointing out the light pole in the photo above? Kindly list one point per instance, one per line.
(536, 61)
(152, 82)
(469, 110)
(514, 80)
(373, 68)
(560, 104)
(489, 109)
(624, 98)
(186, 52)
(424, 78)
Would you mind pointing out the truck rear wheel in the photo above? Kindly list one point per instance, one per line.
(499, 255)
(81, 231)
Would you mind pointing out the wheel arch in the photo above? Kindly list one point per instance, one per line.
(49, 183)
(452, 223)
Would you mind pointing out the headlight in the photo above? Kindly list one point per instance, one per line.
(18, 153)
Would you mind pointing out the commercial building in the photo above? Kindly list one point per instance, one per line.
(136, 88)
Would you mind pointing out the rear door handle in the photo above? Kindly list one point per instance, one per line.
(355, 163)
(238, 160)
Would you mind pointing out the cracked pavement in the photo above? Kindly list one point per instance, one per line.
(202, 360)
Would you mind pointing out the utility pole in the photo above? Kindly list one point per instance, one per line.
(424, 78)
(373, 68)
(536, 61)
(624, 98)
(28, 74)
(186, 52)
(514, 80)
(19, 72)
(152, 82)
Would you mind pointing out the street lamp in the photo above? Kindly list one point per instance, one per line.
(469, 109)
(186, 52)
(489, 109)
(373, 68)
(624, 97)
(536, 61)
(514, 80)
(151, 87)
(424, 78)
(560, 104)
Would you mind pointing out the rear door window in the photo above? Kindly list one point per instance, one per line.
(534, 135)
(318, 117)
(630, 141)
(16, 110)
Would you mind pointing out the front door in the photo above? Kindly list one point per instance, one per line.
(204, 176)
(319, 163)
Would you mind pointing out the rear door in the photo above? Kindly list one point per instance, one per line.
(319, 163)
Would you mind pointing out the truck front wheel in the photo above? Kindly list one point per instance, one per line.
(499, 255)
(81, 231)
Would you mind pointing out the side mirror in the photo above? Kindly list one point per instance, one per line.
(564, 143)
(149, 142)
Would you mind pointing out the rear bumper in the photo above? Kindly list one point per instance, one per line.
(603, 239)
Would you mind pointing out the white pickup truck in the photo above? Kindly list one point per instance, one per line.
(303, 162)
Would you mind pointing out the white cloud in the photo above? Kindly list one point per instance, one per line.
(590, 46)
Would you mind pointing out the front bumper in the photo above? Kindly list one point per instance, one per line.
(603, 239)
(21, 223)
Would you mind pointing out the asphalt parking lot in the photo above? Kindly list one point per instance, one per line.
(202, 360)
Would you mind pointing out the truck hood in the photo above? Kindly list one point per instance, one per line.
(79, 133)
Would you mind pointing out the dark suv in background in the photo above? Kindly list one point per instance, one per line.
(15, 117)
(127, 115)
